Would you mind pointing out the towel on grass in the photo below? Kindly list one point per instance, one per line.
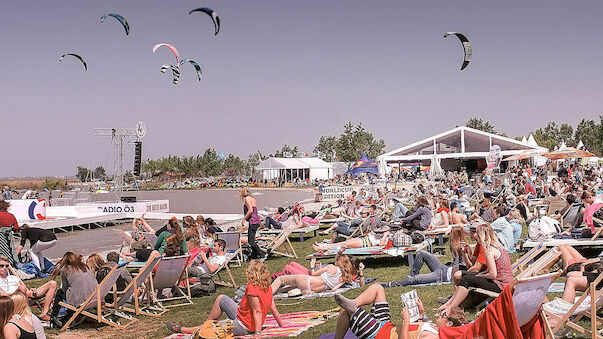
(296, 324)
(325, 294)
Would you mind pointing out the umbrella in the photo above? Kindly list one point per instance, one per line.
(568, 153)
(524, 155)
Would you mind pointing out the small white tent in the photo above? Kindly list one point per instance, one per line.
(295, 168)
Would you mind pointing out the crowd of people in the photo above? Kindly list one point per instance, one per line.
(484, 218)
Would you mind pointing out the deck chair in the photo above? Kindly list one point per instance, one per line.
(274, 245)
(586, 305)
(151, 238)
(555, 206)
(544, 263)
(122, 302)
(598, 233)
(362, 228)
(168, 275)
(528, 295)
(233, 243)
(525, 259)
(96, 300)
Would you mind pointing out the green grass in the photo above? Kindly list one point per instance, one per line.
(382, 268)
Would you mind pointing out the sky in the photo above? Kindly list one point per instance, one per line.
(284, 72)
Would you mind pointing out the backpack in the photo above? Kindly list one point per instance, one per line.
(204, 287)
(543, 228)
(401, 239)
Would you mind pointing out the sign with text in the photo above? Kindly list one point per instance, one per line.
(336, 192)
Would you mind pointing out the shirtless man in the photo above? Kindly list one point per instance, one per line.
(456, 217)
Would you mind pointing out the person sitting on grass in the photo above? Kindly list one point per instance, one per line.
(497, 275)
(378, 323)
(439, 272)
(250, 315)
(11, 284)
(329, 277)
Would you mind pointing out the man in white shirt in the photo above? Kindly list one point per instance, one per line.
(204, 265)
(10, 284)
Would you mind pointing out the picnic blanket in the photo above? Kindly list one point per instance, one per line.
(296, 324)
(374, 250)
(325, 294)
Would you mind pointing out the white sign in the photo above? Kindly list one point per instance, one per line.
(138, 208)
(336, 192)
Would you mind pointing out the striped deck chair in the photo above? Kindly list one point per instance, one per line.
(544, 263)
(129, 300)
(168, 275)
(96, 300)
(585, 306)
(528, 257)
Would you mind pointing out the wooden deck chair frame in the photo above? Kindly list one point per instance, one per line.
(597, 233)
(234, 244)
(360, 227)
(571, 320)
(553, 276)
(544, 263)
(186, 296)
(132, 291)
(525, 259)
(216, 275)
(556, 205)
(281, 240)
(100, 292)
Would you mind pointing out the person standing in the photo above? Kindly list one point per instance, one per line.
(7, 194)
(39, 240)
(250, 212)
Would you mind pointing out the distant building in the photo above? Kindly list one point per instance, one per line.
(289, 169)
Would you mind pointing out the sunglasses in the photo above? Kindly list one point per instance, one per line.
(4, 266)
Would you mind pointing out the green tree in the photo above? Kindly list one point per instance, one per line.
(100, 173)
(354, 141)
(254, 160)
(481, 125)
(590, 133)
(211, 164)
(82, 173)
(287, 152)
(233, 165)
(326, 148)
(566, 134)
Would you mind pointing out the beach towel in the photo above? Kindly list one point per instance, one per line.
(325, 294)
(309, 220)
(297, 323)
(498, 321)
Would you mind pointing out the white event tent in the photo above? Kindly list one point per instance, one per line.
(448, 148)
(295, 168)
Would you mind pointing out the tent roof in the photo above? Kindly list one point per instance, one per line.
(292, 163)
(459, 142)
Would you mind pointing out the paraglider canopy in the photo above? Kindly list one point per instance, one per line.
(78, 57)
(466, 47)
(119, 18)
(172, 48)
(212, 14)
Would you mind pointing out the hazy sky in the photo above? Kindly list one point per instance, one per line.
(284, 72)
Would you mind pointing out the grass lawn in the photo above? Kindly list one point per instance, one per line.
(381, 268)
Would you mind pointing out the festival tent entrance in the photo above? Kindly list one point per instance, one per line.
(364, 165)
(452, 148)
(289, 169)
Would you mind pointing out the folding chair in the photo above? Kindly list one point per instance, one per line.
(555, 206)
(544, 263)
(96, 300)
(525, 259)
(597, 233)
(233, 243)
(132, 291)
(282, 240)
(151, 238)
(169, 273)
(586, 305)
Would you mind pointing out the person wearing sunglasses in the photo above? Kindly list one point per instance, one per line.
(10, 284)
